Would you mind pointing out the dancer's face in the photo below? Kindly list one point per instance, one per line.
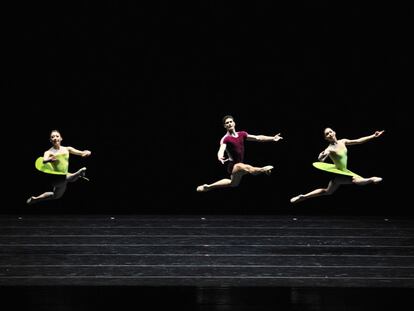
(330, 135)
(55, 138)
(229, 124)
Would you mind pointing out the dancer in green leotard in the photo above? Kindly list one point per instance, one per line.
(337, 152)
(56, 161)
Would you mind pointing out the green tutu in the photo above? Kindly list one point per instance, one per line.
(331, 168)
(58, 167)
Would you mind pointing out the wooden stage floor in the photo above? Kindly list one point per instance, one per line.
(220, 250)
(211, 262)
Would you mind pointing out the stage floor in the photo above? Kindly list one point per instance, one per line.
(207, 251)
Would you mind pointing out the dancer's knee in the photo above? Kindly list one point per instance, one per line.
(356, 180)
(234, 184)
(56, 196)
(238, 167)
(328, 191)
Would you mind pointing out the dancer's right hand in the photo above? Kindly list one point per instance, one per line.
(222, 159)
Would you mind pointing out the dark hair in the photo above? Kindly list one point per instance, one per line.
(54, 131)
(227, 117)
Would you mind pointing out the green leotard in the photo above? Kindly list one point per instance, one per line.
(339, 167)
(58, 167)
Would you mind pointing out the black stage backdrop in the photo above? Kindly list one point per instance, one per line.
(144, 87)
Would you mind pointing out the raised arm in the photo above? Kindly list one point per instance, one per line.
(363, 139)
(84, 153)
(220, 153)
(264, 138)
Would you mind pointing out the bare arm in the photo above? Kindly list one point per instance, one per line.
(323, 155)
(220, 153)
(48, 157)
(363, 139)
(84, 153)
(264, 138)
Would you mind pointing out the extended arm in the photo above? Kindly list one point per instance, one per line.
(84, 153)
(264, 138)
(363, 139)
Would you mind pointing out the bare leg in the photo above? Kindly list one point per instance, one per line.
(233, 181)
(57, 193)
(332, 187)
(239, 170)
(256, 170)
(366, 181)
(222, 183)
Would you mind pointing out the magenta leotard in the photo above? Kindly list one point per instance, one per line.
(234, 148)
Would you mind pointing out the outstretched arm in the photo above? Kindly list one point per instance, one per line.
(363, 139)
(220, 153)
(84, 153)
(264, 138)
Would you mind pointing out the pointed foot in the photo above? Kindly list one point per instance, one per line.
(297, 199)
(376, 180)
(202, 188)
(268, 169)
(82, 173)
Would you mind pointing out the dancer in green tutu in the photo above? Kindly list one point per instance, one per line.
(337, 152)
(55, 161)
